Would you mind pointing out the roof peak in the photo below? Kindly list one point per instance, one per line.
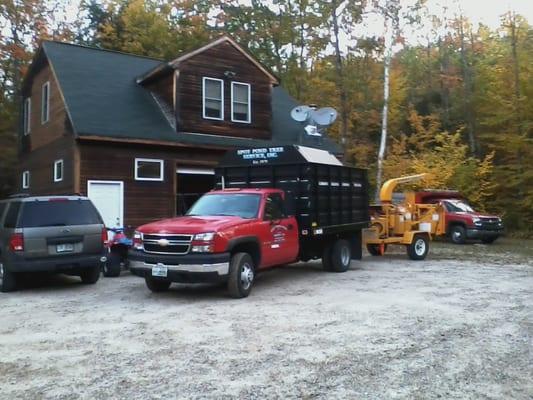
(102, 49)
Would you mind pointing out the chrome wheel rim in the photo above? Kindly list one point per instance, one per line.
(456, 235)
(1, 273)
(345, 256)
(247, 276)
(420, 247)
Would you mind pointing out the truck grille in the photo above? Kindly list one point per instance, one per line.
(490, 223)
(167, 244)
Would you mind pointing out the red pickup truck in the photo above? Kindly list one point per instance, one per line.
(273, 206)
(462, 222)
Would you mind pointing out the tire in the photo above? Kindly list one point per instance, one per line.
(241, 275)
(8, 281)
(156, 285)
(374, 249)
(91, 275)
(419, 247)
(326, 257)
(489, 240)
(112, 267)
(458, 234)
(341, 256)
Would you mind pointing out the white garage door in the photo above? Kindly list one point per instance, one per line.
(108, 197)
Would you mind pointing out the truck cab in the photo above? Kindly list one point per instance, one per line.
(462, 221)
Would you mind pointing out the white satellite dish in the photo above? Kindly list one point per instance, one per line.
(324, 116)
(300, 113)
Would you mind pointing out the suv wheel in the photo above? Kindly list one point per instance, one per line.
(8, 282)
(241, 275)
(458, 234)
(91, 275)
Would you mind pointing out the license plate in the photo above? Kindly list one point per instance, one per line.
(159, 270)
(64, 248)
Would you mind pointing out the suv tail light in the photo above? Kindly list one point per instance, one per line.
(16, 243)
(105, 238)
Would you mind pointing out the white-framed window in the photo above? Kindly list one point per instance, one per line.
(26, 180)
(147, 169)
(213, 98)
(58, 170)
(26, 115)
(45, 103)
(240, 102)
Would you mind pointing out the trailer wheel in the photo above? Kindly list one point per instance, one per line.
(376, 249)
(419, 247)
(241, 275)
(156, 285)
(458, 234)
(341, 256)
(326, 257)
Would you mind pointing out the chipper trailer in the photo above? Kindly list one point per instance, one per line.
(409, 223)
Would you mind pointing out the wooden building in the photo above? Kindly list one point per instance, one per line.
(141, 136)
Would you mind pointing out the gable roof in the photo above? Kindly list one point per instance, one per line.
(104, 100)
(174, 64)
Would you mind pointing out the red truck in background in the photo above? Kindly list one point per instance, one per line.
(462, 221)
(272, 206)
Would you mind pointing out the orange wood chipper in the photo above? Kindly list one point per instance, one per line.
(405, 223)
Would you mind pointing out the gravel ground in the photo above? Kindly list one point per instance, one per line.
(458, 325)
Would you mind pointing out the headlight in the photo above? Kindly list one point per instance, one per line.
(138, 240)
(205, 237)
(476, 221)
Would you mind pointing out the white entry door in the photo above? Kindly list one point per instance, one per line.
(108, 197)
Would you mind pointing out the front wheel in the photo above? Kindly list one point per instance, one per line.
(156, 285)
(419, 247)
(458, 234)
(90, 276)
(112, 266)
(8, 281)
(341, 256)
(241, 275)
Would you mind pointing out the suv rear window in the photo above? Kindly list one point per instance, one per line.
(12, 214)
(37, 214)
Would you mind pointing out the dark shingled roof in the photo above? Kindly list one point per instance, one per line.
(103, 99)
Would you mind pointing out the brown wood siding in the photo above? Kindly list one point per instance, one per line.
(212, 63)
(164, 88)
(40, 163)
(144, 201)
(58, 124)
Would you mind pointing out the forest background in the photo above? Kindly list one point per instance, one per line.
(461, 94)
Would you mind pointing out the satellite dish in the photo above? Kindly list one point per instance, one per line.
(300, 113)
(324, 116)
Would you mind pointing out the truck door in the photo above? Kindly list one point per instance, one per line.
(282, 231)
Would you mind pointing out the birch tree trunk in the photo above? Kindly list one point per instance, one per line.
(386, 68)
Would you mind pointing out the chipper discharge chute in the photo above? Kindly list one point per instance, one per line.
(405, 223)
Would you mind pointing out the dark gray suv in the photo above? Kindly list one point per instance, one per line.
(62, 234)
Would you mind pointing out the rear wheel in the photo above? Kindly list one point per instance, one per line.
(326, 257)
(112, 266)
(419, 247)
(91, 275)
(489, 240)
(241, 275)
(341, 256)
(156, 285)
(8, 281)
(458, 234)
(376, 249)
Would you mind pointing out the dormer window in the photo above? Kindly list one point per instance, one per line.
(45, 103)
(240, 102)
(213, 98)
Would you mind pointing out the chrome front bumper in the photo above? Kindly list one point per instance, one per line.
(219, 268)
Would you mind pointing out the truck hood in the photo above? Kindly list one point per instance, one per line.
(477, 214)
(192, 225)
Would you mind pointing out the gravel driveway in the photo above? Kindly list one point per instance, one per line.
(457, 325)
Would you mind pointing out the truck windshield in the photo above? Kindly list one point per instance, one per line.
(458, 206)
(235, 204)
